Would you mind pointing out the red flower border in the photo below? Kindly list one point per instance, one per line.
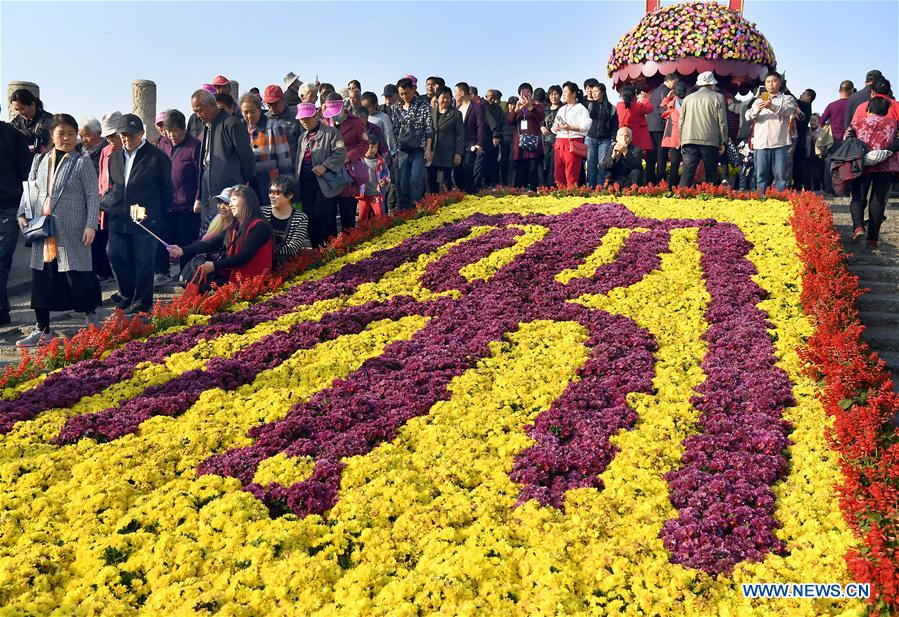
(854, 387)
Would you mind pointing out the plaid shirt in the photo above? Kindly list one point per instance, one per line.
(418, 116)
(269, 140)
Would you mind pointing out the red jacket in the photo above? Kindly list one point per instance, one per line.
(634, 118)
(862, 110)
(671, 133)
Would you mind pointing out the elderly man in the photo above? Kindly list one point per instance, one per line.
(703, 130)
(226, 158)
(145, 180)
(624, 160)
(278, 109)
(92, 143)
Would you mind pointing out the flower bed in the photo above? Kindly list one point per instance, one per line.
(513, 404)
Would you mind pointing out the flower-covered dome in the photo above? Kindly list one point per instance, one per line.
(690, 38)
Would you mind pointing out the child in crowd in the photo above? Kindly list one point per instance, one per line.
(373, 193)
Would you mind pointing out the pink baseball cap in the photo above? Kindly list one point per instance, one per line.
(332, 108)
(160, 117)
(305, 110)
(412, 77)
(208, 88)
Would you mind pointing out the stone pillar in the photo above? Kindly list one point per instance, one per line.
(18, 85)
(143, 105)
(235, 92)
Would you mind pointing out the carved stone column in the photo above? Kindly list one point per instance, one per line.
(18, 85)
(235, 91)
(143, 105)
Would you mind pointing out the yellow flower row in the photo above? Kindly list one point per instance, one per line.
(425, 522)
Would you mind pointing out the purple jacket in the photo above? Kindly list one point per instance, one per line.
(185, 171)
(475, 127)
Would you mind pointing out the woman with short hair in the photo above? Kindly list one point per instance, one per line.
(290, 226)
(526, 119)
(62, 275)
(449, 141)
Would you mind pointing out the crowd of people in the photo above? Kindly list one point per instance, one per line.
(242, 185)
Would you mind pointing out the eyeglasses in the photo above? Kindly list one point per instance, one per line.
(275, 192)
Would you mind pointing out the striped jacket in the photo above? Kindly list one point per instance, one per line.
(271, 147)
(297, 237)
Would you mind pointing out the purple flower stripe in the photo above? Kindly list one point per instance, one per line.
(69, 385)
(723, 490)
(177, 395)
(443, 274)
(572, 437)
(371, 404)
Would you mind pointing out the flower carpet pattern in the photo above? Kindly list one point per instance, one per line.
(514, 405)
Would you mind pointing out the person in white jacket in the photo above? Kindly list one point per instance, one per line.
(770, 115)
(570, 126)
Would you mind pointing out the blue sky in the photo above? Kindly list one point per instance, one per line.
(84, 55)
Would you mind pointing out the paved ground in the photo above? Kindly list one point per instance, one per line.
(23, 317)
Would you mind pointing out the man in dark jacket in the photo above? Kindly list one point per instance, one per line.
(487, 166)
(862, 96)
(475, 136)
(145, 181)
(15, 163)
(624, 160)
(226, 158)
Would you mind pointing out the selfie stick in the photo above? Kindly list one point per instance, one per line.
(163, 242)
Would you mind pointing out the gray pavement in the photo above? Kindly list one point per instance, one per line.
(66, 323)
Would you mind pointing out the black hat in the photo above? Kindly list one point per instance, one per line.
(873, 75)
(130, 124)
(390, 90)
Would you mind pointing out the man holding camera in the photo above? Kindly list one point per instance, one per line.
(140, 194)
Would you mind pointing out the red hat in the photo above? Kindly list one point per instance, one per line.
(221, 80)
(272, 93)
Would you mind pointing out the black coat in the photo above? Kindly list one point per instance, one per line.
(231, 158)
(149, 185)
(15, 162)
(862, 96)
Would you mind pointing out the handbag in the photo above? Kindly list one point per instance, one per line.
(529, 142)
(193, 287)
(40, 228)
(408, 138)
(43, 226)
(577, 148)
(337, 180)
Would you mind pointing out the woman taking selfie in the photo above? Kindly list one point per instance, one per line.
(247, 242)
(62, 275)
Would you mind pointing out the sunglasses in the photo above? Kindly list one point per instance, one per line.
(275, 192)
